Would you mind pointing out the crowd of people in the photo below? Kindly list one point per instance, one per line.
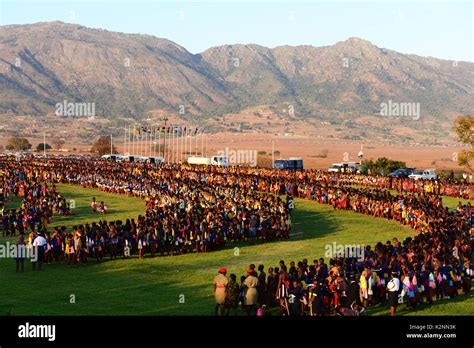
(346, 286)
(201, 208)
(184, 213)
(448, 187)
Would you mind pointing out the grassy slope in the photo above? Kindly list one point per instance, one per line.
(154, 286)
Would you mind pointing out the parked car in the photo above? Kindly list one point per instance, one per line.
(402, 173)
(424, 174)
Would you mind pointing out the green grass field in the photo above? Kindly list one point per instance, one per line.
(160, 285)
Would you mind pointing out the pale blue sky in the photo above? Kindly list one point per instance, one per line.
(442, 29)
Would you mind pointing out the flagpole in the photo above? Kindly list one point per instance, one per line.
(170, 141)
(206, 144)
(110, 143)
(189, 138)
(177, 146)
(196, 135)
(167, 135)
(154, 144)
(273, 152)
(202, 143)
(125, 140)
(146, 142)
(185, 141)
(134, 140)
(165, 146)
(182, 144)
(140, 140)
(151, 142)
(175, 137)
(145, 145)
(135, 153)
(44, 144)
(159, 141)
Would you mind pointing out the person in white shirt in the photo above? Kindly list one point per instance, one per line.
(39, 244)
(393, 287)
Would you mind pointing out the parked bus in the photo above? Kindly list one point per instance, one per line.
(292, 163)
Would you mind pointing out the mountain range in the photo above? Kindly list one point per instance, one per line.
(127, 75)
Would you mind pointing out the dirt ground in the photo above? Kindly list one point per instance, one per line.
(316, 153)
(320, 154)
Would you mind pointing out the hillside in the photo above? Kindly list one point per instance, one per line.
(129, 75)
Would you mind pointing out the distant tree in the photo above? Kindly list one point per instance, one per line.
(58, 143)
(41, 146)
(102, 146)
(381, 164)
(464, 127)
(18, 144)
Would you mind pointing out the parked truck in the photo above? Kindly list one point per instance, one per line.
(344, 167)
(427, 174)
(214, 160)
